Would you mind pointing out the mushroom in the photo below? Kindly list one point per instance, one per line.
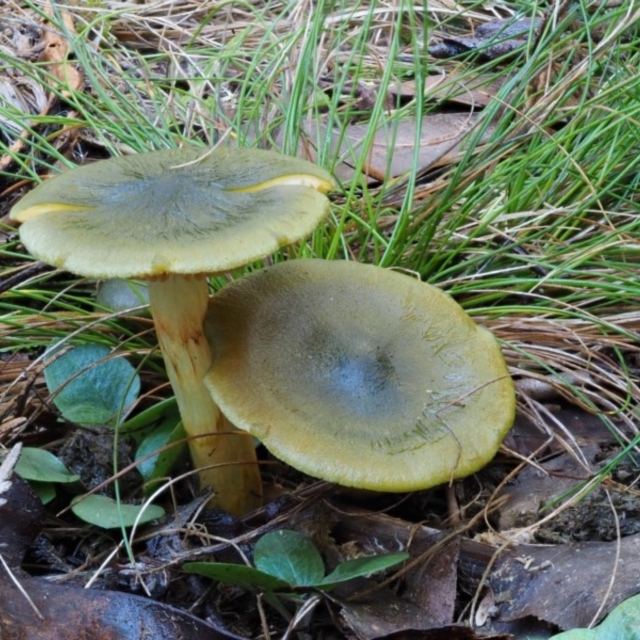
(172, 217)
(358, 375)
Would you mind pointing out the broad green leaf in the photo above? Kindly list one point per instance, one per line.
(42, 466)
(150, 419)
(236, 574)
(90, 390)
(46, 491)
(159, 465)
(105, 512)
(623, 623)
(362, 567)
(290, 556)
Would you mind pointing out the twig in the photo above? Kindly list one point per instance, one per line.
(20, 587)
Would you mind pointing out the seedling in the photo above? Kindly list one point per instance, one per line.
(288, 565)
(91, 389)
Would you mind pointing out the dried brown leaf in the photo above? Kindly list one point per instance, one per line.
(56, 55)
(473, 92)
(391, 151)
(566, 584)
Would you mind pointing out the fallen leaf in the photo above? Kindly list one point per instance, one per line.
(537, 486)
(587, 430)
(391, 151)
(385, 615)
(567, 584)
(471, 91)
(44, 611)
(622, 622)
(492, 39)
(453, 632)
(432, 585)
(56, 54)
(429, 588)
(564, 585)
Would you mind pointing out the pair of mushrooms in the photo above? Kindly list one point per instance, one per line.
(348, 372)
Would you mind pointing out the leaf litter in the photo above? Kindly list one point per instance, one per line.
(527, 542)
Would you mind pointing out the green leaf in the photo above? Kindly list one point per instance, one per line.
(42, 466)
(290, 556)
(159, 465)
(150, 419)
(46, 491)
(89, 390)
(105, 512)
(236, 574)
(362, 567)
(622, 622)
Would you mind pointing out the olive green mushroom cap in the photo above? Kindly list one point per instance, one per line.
(186, 210)
(358, 375)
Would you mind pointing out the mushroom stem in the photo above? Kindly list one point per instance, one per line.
(224, 455)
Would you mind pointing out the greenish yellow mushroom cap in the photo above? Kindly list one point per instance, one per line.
(358, 375)
(187, 210)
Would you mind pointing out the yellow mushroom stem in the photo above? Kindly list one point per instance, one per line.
(224, 456)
